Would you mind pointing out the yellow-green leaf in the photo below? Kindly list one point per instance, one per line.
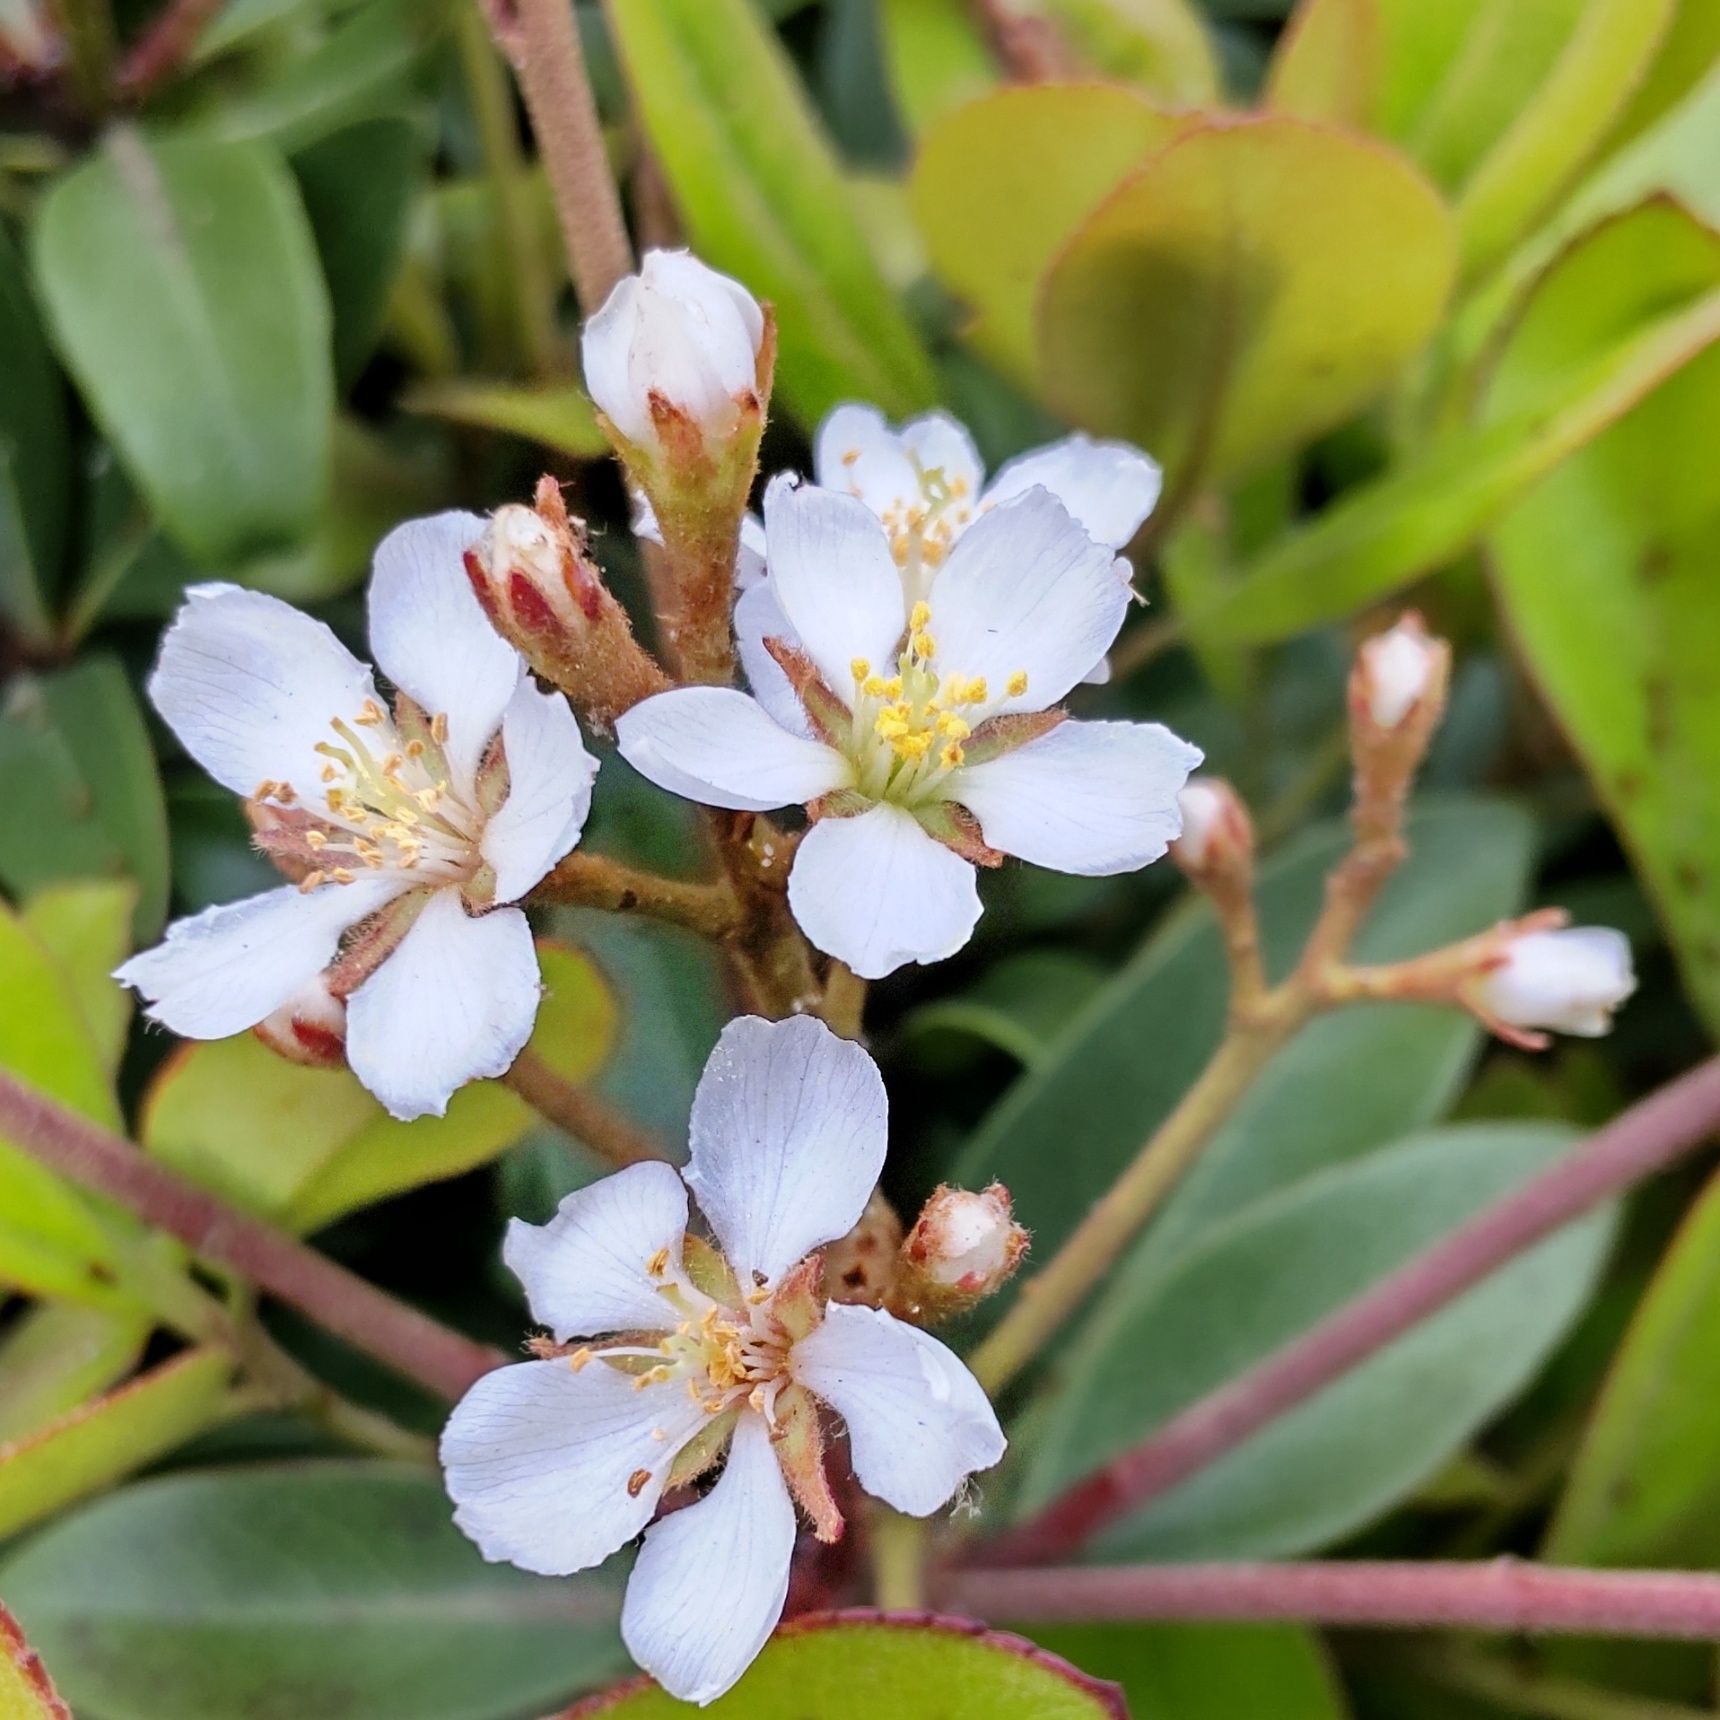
(86, 930)
(935, 55)
(111, 1437)
(1160, 46)
(555, 415)
(1047, 154)
(1250, 285)
(26, 1691)
(56, 1354)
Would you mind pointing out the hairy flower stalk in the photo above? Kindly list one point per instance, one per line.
(924, 737)
(408, 829)
(669, 1352)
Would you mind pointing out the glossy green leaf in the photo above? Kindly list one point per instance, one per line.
(206, 358)
(26, 1690)
(1048, 154)
(78, 779)
(305, 1145)
(558, 416)
(86, 931)
(100, 1442)
(1162, 1338)
(1208, 1671)
(1689, 52)
(1645, 1486)
(35, 457)
(1435, 505)
(339, 1590)
(359, 186)
(762, 198)
(1017, 1007)
(1115, 1072)
(1606, 571)
(1250, 285)
(55, 1355)
(909, 1668)
(936, 57)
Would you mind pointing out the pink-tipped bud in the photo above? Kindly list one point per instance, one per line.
(963, 1247)
(1559, 981)
(309, 1028)
(1400, 676)
(1216, 828)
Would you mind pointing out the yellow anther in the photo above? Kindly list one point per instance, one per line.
(285, 793)
(921, 616)
(310, 881)
(876, 687)
(955, 727)
(415, 749)
(315, 839)
(860, 669)
(658, 1264)
(1018, 683)
(976, 692)
(951, 757)
(579, 1358)
(850, 455)
(370, 713)
(439, 727)
(924, 646)
(342, 874)
(330, 774)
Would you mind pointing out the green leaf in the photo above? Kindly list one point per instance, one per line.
(1208, 1671)
(26, 1691)
(1365, 1442)
(78, 778)
(206, 358)
(909, 1668)
(1211, 312)
(1113, 1075)
(1048, 154)
(55, 1355)
(1016, 1007)
(557, 416)
(1645, 1484)
(1689, 52)
(86, 930)
(935, 55)
(1438, 502)
(100, 1442)
(763, 198)
(1606, 571)
(359, 186)
(338, 1590)
(313, 1144)
(35, 458)
(1161, 46)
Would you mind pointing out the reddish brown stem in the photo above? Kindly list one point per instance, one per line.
(166, 45)
(422, 1349)
(1499, 1594)
(1644, 1140)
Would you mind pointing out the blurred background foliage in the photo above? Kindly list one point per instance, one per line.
(1417, 300)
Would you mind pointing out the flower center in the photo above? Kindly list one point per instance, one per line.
(921, 528)
(908, 729)
(387, 803)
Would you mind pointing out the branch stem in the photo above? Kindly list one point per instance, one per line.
(1497, 1595)
(1644, 1140)
(582, 1113)
(595, 881)
(414, 1345)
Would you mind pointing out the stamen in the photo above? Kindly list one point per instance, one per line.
(1018, 683)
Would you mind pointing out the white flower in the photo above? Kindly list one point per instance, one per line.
(967, 1241)
(1396, 669)
(679, 337)
(406, 828)
(555, 1464)
(1567, 981)
(927, 484)
(1204, 805)
(921, 755)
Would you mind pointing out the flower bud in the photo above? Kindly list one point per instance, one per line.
(534, 577)
(861, 1266)
(309, 1028)
(963, 1247)
(1399, 670)
(1567, 981)
(675, 344)
(1216, 828)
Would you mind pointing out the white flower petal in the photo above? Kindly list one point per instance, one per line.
(432, 640)
(225, 969)
(834, 576)
(1026, 589)
(788, 1133)
(1089, 798)
(758, 617)
(584, 1272)
(710, 1582)
(877, 892)
(857, 454)
(1568, 981)
(717, 746)
(918, 1422)
(1110, 487)
(549, 791)
(538, 1461)
(250, 686)
(939, 443)
(453, 1003)
(749, 553)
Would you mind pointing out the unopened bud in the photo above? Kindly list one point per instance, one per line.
(963, 1247)
(861, 1266)
(534, 577)
(1566, 981)
(1216, 828)
(674, 347)
(1399, 672)
(309, 1028)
